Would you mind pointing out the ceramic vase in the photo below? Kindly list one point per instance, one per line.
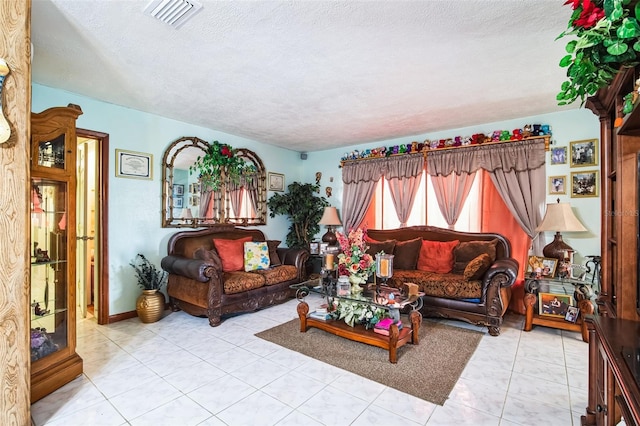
(150, 305)
(355, 281)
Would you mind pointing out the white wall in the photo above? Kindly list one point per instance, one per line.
(135, 206)
(566, 126)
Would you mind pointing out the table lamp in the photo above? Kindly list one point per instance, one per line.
(559, 218)
(331, 220)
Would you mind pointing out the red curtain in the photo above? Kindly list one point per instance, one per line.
(497, 218)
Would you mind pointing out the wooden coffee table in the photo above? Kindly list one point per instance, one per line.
(358, 333)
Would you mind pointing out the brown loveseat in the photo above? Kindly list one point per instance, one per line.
(198, 285)
(479, 296)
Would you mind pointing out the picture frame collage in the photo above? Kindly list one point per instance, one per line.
(582, 183)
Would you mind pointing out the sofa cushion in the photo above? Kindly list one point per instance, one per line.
(209, 256)
(256, 255)
(239, 281)
(376, 247)
(467, 251)
(231, 253)
(406, 254)
(436, 256)
(477, 267)
(274, 259)
(277, 274)
(450, 286)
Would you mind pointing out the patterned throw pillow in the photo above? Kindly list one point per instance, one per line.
(256, 256)
(477, 267)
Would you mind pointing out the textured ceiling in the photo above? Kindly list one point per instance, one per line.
(310, 75)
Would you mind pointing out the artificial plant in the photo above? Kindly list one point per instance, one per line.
(304, 208)
(219, 161)
(148, 275)
(607, 38)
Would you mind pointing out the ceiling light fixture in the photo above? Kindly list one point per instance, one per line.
(172, 12)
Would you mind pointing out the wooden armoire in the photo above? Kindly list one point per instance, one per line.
(614, 345)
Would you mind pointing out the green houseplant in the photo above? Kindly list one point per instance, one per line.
(150, 304)
(304, 207)
(607, 38)
(219, 162)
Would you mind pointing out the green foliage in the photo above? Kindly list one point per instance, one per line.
(355, 312)
(304, 209)
(601, 47)
(149, 277)
(219, 161)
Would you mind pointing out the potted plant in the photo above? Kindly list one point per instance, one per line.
(220, 162)
(607, 39)
(304, 208)
(150, 303)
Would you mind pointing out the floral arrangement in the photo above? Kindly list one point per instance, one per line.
(354, 312)
(607, 38)
(353, 261)
(218, 162)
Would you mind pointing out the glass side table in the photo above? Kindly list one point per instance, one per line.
(560, 303)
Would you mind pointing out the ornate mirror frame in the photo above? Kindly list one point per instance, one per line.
(182, 192)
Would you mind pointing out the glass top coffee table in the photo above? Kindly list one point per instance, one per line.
(358, 333)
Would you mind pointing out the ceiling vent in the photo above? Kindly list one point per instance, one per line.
(172, 12)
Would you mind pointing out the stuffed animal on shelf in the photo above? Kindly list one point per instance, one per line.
(495, 136)
(537, 131)
(505, 135)
(517, 134)
(545, 129)
(434, 144)
(457, 141)
(526, 131)
(466, 141)
(414, 147)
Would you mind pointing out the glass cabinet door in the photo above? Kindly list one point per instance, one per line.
(49, 264)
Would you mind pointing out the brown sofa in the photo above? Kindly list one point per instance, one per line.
(481, 299)
(198, 285)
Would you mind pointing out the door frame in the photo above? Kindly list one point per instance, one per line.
(102, 205)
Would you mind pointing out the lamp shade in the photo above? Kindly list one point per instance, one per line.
(560, 217)
(186, 214)
(330, 217)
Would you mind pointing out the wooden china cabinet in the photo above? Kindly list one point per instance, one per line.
(614, 335)
(54, 361)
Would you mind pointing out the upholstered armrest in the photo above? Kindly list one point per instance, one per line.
(295, 257)
(508, 268)
(197, 269)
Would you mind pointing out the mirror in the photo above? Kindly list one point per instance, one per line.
(186, 202)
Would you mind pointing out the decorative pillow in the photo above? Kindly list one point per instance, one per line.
(469, 250)
(231, 253)
(437, 256)
(385, 246)
(256, 256)
(477, 267)
(210, 256)
(274, 259)
(406, 254)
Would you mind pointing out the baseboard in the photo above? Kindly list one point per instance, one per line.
(128, 315)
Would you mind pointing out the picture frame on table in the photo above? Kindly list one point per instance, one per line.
(584, 184)
(323, 247)
(134, 165)
(584, 153)
(541, 267)
(554, 304)
(559, 155)
(314, 247)
(557, 185)
(275, 182)
(572, 314)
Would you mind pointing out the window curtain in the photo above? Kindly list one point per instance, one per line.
(451, 192)
(251, 186)
(516, 169)
(205, 200)
(403, 176)
(234, 190)
(359, 179)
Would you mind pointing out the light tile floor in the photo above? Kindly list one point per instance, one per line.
(181, 372)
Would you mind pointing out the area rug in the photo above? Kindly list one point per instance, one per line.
(428, 371)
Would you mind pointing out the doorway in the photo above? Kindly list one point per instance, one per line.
(92, 289)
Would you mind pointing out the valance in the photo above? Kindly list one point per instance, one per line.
(519, 156)
(391, 167)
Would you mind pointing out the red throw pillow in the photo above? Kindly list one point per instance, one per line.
(231, 253)
(437, 256)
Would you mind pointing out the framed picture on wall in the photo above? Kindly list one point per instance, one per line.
(275, 182)
(584, 184)
(557, 185)
(584, 153)
(178, 189)
(178, 202)
(131, 164)
(559, 155)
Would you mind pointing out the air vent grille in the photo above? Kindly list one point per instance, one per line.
(172, 12)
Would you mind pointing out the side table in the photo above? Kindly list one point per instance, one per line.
(534, 286)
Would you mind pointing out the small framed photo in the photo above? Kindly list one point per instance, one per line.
(323, 247)
(584, 153)
(194, 188)
(541, 267)
(557, 184)
(177, 202)
(584, 184)
(135, 165)
(554, 305)
(275, 182)
(572, 314)
(194, 200)
(559, 155)
(178, 190)
(314, 247)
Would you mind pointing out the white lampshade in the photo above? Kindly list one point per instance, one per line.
(330, 217)
(560, 217)
(186, 214)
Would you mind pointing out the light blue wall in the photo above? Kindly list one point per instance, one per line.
(135, 205)
(566, 126)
